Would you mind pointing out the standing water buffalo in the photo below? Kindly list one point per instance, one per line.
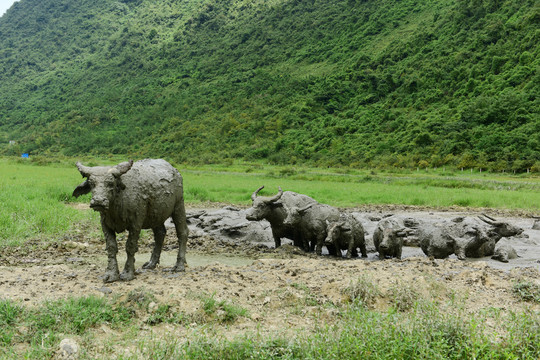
(346, 234)
(134, 196)
(311, 221)
(273, 210)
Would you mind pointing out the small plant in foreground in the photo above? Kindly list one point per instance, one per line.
(9, 313)
(222, 310)
(140, 297)
(164, 314)
(527, 291)
(37, 331)
(403, 296)
(309, 298)
(362, 291)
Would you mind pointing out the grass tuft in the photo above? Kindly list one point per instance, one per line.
(527, 291)
(221, 311)
(362, 291)
(404, 296)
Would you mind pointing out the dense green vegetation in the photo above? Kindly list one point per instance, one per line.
(381, 83)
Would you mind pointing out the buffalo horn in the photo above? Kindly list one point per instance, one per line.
(121, 168)
(401, 232)
(489, 220)
(489, 217)
(254, 195)
(84, 170)
(276, 197)
(301, 210)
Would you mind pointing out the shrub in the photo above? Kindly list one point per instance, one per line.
(362, 291)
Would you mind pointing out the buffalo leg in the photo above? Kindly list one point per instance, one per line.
(320, 242)
(351, 251)
(333, 249)
(362, 242)
(277, 239)
(180, 224)
(363, 250)
(159, 237)
(131, 249)
(460, 253)
(112, 273)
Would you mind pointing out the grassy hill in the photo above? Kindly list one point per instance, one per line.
(362, 83)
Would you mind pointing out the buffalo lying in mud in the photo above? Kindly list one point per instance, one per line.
(273, 210)
(504, 252)
(465, 237)
(134, 196)
(495, 231)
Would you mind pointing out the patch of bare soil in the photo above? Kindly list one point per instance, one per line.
(281, 289)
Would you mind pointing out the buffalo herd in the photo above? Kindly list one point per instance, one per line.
(312, 225)
(144, 194)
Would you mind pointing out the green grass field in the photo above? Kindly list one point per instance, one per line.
(35, 197)
(350, 190)
(33, 201)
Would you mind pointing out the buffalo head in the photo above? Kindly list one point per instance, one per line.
(262, 206)
(501, 228)
(294, 214)
(103, 181)
(334, 230)
(391, 238)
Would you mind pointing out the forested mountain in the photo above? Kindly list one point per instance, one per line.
(401, 83)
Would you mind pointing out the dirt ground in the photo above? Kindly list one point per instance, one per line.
(280, 288)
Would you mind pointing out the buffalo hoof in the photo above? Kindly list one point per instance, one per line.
(150, 265)
(127, 276)
(111, 276)
(179, 267)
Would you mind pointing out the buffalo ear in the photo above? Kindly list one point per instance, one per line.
(305, 208)
(82, 189)
(401, 232)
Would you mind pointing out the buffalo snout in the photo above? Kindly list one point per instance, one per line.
(251, 215)
(100, 197)
(99, 203)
